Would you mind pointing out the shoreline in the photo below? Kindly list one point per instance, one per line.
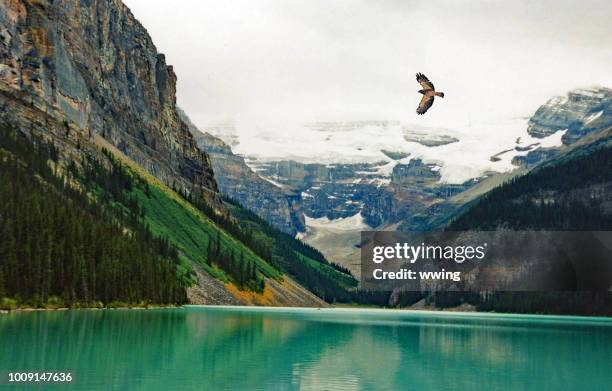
(127, 307)
(424, 310)
(408, 310)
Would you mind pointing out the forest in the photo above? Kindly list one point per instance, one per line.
(61, 247)
(305, 264)
(572, 194)
(95, 232)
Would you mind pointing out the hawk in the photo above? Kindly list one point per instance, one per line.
(428, 91)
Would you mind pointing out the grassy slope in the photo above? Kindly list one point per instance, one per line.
(169, 215)
(189, 230)
(343, 279)
(257, 225)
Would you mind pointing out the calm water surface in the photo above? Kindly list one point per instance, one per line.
(203, 348)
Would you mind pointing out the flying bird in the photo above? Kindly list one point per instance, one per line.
(428, 91)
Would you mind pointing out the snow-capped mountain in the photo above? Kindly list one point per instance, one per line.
(579, 112)
(399, 175)
(461, 154)
(385, 170)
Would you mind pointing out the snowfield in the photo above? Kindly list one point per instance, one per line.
(352, 223)
(466, 155)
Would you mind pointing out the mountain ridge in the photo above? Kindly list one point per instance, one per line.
(237, 180)
(85, 77)
(93, 68)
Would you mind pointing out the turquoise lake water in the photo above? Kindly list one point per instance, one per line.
(209, 348)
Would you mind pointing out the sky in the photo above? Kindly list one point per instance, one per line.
(271, 63)
(319, 59)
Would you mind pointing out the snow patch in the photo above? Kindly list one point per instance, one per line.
(592, 117)
(279, 185)
(387, 169)
(352, 223)
(554, 140)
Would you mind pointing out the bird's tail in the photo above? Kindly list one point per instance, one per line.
(440, 94)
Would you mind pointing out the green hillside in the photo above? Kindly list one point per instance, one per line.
(170, 216)
(569, 194)
(61, 246)
(197, 230)
(239, 248)
(301, 261)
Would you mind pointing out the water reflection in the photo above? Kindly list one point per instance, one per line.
(220, 348)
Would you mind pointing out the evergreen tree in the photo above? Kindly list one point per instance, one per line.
(57, 240)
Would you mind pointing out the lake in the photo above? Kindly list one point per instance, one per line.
(240, 348)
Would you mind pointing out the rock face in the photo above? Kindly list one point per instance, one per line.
(580, 112)
(85, 74)
(334, 191)
(272, 202)
(384, 193)
(92, 66)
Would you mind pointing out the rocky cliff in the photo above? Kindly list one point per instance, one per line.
(580, 112)
(85, 76)
(384, 193)
(91, 67)
(272, 202)
(577, 114)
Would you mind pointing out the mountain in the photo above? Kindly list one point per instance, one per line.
(580, 117)
(271, 201)
(382, 170)
(389, 175)
(83, 79)
(90, 68)
(572, 192)
(569, 188)
(385, 183)
(577, 113)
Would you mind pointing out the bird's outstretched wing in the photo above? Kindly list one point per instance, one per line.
(425, 104)
(424, 81)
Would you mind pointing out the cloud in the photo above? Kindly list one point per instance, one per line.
(315, 59)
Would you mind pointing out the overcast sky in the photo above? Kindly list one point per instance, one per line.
(345, 60)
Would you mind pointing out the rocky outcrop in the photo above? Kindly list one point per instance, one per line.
(384, 193)
(91, 66)
(332, 191)
(275, 204)
(581, 112)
